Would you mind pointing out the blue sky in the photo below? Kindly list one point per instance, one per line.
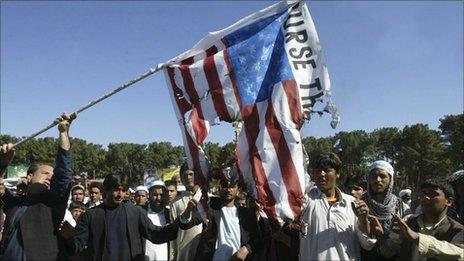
(391, 63)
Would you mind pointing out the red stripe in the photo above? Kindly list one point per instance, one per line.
(198, 120)
(215, 85)
(237, 163)
(293, 98)
(265, 196)
(231, 73)
(287, 167)
(184, 106)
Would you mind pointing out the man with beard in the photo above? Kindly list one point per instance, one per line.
(232, 232)
(115, 231)
(430, 235)
(159, 215)
(381, 201)
(32, 221)
(186, 243)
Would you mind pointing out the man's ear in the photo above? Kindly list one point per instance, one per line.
(449, 201)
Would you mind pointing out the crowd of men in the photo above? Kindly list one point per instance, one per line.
(50, 218)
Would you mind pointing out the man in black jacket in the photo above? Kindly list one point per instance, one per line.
(33, 220)
(115, 231)
(232, 232)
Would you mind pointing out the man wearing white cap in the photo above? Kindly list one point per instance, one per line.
(141, 196)
(405, 196)
(159, 215)
(381, 200)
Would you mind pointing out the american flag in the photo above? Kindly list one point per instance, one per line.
(265, 72)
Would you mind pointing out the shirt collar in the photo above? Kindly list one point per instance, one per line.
(420, 221)
(341, 200)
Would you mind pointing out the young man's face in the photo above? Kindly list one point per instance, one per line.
(355, 191)
(241, 202)
(187, 179)
(95, 194)
(115, 196)
(229, 193)
(172, 193)
(379, 180)
(141, 198)
(77, 213)
(325, 179)
(434, 201)
(78, 195)
(42, 175)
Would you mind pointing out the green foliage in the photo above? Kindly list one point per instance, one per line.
(416, 152)
(452, 129)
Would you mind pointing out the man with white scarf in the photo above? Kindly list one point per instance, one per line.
(382, 202)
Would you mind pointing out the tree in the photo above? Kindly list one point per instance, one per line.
(128, 160)
(88, 157)
(227, 156)
(421, 155)
(452, 129)
(160, 155)
(385, 144)
(213, 151)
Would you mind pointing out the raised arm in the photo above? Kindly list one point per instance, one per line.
(60, 184)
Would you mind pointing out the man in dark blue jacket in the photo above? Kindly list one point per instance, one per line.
(33, 220)
(113, 230)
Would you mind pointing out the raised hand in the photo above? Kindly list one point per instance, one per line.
(64, 121)
(400, 227)
(360, 209)
(376, 226)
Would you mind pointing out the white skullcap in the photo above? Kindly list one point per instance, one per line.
(131, 190)
(78, 186)
(383, 165)
(181, 188)
(158, 183)
(404, 192)
(141, 188)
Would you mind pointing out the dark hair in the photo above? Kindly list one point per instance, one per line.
(76, 204)
(357, 180)
(95, 185)
(22, 186)
(326, 161)
(113, 181)
(241, 195)
(442, 184)
(35, 166)
(183, 168)
(170, 183)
